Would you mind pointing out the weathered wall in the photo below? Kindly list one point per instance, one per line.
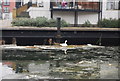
(38, 12)
(67, 16)
(90, 16)
(108, 13)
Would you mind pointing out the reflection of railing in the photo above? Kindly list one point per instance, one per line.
(76, 5)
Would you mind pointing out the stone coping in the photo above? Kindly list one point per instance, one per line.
(62, 29)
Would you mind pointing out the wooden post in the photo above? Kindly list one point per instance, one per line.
(2, 42)
(14, 13)
(14, 41)
(50, 41)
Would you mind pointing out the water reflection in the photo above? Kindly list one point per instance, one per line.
(81, 63)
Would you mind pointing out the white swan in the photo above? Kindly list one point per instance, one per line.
(89, 45)
(64, 44)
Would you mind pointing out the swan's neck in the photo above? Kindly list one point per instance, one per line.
(65, 42)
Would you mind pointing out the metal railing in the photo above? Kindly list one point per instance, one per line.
(76, 5)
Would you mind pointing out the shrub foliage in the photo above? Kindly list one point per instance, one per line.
(110, 23)
(87, 24)
(38, 22)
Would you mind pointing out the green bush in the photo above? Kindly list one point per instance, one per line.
(64, 23)
(87, 24)
(38, 22)
(41, 21)
(109, 23)
(52, 23)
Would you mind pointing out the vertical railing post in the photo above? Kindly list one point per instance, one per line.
(58, 24)
(99, 12)
(58, 29)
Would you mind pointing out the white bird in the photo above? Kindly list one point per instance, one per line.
(64, 44)
(89, 45)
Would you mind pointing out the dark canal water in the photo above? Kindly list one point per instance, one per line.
(82, 63)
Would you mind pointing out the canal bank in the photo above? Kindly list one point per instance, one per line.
(74, 35)
(81, 63)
